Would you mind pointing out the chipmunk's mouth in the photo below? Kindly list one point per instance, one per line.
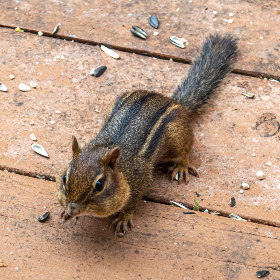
(74, 210)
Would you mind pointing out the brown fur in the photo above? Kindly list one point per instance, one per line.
(141, 128)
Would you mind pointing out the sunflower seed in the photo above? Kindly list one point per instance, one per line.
(232, 202)
(140, 30)
(262, 273)
(24, 87)
(236, 217)
(138, 34)
(39, 150)
(55, 29)
(176, 42)
(43, 217)
(178, 204)
(110, 52)
(12, 77)
(99, 71)
(153, 21)
(3, 87)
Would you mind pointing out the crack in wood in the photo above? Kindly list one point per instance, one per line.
(241, 72)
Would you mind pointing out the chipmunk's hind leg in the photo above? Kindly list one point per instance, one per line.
(179, 139)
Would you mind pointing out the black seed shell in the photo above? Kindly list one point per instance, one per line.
(262, 273)
(139, 30)
(232, 202)
(153, 21)
(43, 217)
(99, 71)
(135, 33)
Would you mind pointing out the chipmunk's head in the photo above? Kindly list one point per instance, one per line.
(92, 183)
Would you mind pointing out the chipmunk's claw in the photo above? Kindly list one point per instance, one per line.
(64, 215)
(122, 227)
(183, 172)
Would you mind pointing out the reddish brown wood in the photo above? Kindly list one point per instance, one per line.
(164, 244)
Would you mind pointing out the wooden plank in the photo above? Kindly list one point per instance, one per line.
(164, 243)
(224, 138)
(255, 23)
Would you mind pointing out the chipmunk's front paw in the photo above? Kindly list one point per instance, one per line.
(122, 226)
(64, 215)
(183, 171)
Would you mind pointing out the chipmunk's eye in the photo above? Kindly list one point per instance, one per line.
(99, 186)
(64, 180)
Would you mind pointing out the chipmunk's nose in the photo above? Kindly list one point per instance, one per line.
(73, 208)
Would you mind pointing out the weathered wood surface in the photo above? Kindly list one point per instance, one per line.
(164, 244)
(255, 23)
(225, 139)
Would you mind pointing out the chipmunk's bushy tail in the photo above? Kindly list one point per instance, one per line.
(211, 65)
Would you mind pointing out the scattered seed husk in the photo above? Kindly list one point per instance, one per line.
(40, 33)
(55, 29)
(153, 21)
(184, 41)
(24, 87)
(140, 30)
(253, 155)
(58, 58)
(269, 163)
(230, 20)
(245, 186)
(3, 87)
(18, 29)
(58, 112)
(110, 52)
(33, 137)
(97, 111)
(177, 177)
(231, 14)
(178, 204)
(92, 71)
(44, 217)
(248, 94)
(236, 217)
(39, 150)
(99, 71)
(176, 42)
(260, 175)
(12, 77)
(232, 202)
(241, 191)
(33, 84)
(262, 273)
(138, 34)
(32, 123)
(52, 122)
(155, 33)
(2, 264)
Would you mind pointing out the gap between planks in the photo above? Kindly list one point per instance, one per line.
(151, 198)
(241, 72)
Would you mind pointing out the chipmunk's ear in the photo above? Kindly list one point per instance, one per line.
(75, 146)
(111, 157)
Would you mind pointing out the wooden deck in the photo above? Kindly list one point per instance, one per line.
(165, 243)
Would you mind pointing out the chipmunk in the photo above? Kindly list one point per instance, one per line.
(141, 128)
